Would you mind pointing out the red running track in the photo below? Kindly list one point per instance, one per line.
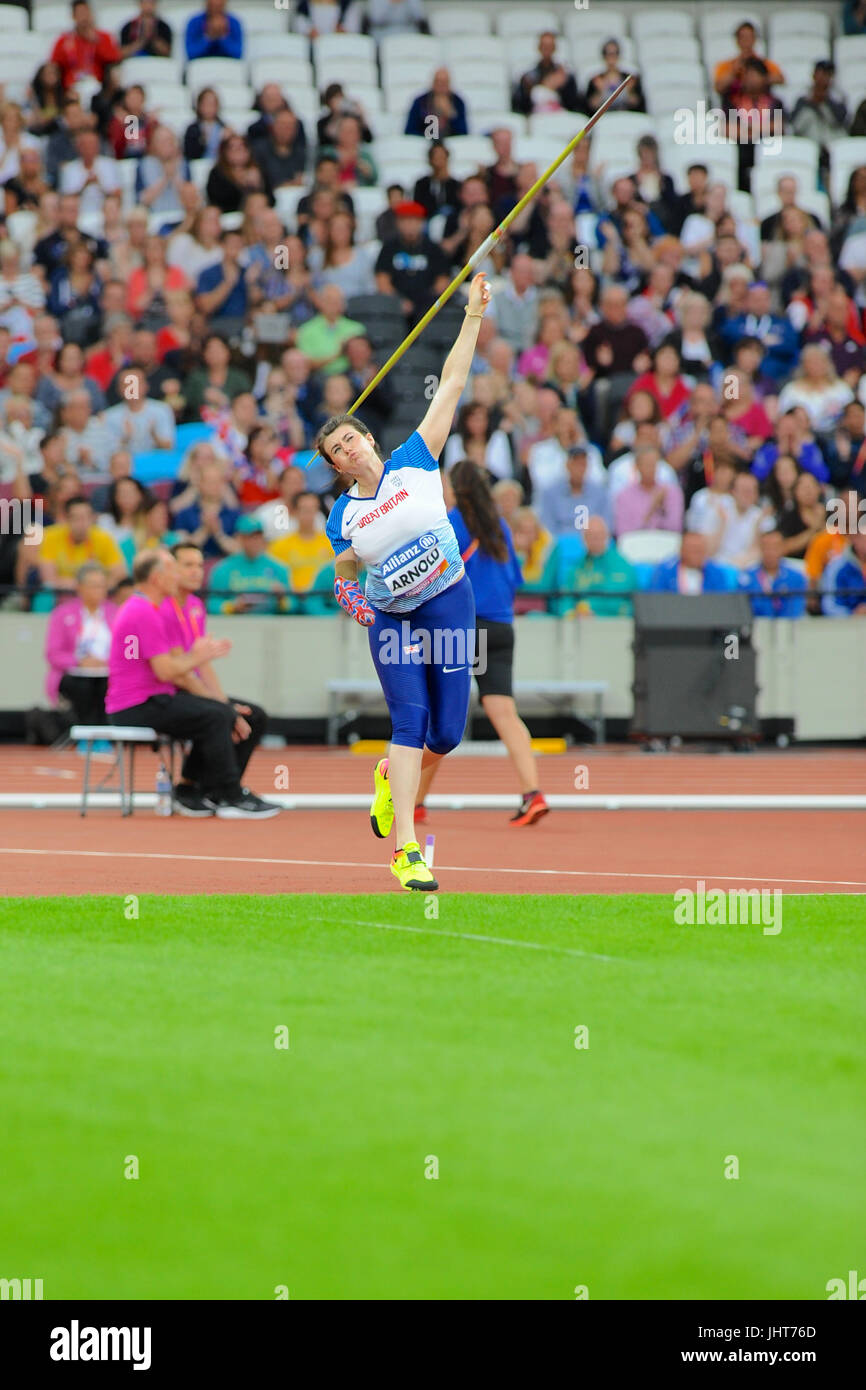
(56, 852)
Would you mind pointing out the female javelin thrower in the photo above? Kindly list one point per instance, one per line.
(418, 603)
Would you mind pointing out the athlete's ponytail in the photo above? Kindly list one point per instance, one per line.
(475, 503)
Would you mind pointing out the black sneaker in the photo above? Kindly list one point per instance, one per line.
(245, 807)
(189, 801)
(269, 805)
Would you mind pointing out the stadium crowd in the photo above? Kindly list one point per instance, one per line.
(668, 391)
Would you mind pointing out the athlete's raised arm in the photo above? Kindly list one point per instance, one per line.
(435, 428)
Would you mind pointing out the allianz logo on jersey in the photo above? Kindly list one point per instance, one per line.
(413, 565)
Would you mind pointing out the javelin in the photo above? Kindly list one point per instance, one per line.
(484, 249)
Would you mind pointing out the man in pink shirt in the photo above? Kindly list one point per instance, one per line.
(185, 620)
(146, 688)
(647, 505)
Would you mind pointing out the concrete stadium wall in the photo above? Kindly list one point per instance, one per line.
(812, 671)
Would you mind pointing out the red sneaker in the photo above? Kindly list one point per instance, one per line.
(420, 814)
(530, 810)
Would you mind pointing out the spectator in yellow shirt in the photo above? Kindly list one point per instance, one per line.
(307, 549)
(74, 542)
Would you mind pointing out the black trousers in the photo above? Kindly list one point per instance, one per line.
(86, 695)
(194, 769)
(207, 723)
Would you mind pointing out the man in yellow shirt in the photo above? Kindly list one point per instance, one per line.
(74, 542)
(307, 549)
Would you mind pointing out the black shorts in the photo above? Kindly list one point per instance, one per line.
(494, 655)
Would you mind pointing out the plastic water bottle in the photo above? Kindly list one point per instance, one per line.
(163, 791)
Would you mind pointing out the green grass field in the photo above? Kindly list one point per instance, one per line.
(558, 1166)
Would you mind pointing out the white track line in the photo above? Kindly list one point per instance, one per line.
(451, 868)
(472, 936)
(488, 801)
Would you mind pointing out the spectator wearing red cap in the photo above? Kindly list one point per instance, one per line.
(411, 265)
(84, 51)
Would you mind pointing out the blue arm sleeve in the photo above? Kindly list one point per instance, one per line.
(413, 454)
(334, 527)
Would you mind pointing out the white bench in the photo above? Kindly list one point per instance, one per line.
(342, 692)
(123, 737)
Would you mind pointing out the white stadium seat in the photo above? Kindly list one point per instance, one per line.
(720, 160)
(649, 547)
(404, 72)
(765, 177)
(528, 19)
(657, 21)
(557, 125)
(795, 50)
(25, 50)
(400, 147)
(591, 27)
(329, 46)
(722, 21)
(666, 98)
(368, 203)
(287, 46)
(12, 18)
(177, 118)
(456, 22)
(793, 150)
(483, 119)
(346, 71)
(849, 51)
(406, 172)
(261, 20)
(199, 169)
(537, 149)
(47, 18)
(476, 149)
(216, 72)
(622, 123)
(147, 71)
(846, 155)
(663, 48)
(287, 199)
(394, 48)
(290, 74)
(815, 23)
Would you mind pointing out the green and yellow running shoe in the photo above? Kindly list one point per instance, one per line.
(381, 807)
(408, 865)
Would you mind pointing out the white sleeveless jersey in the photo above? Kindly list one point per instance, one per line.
(402, 536)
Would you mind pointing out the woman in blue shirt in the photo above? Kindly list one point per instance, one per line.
(494, 572)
